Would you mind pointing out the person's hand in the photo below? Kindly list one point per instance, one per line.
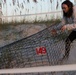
(53, 32)
(63, 28)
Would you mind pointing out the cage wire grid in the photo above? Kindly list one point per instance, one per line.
(23, 53)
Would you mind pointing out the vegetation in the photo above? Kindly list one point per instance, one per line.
(6, 26)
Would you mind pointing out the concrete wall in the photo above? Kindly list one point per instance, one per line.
(31, 10)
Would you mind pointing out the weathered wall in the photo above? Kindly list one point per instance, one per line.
(31, 10)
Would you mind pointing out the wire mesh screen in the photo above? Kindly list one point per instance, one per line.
(40, 49)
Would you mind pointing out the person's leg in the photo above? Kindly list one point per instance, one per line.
(68, 41)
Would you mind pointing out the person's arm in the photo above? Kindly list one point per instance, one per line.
(62, 23)
(57, 29)
(70, 26)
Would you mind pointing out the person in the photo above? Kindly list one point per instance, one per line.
(68, 23)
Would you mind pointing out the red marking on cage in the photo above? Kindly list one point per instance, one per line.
(41, 50)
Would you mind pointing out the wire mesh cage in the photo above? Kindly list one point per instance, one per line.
(40, 49)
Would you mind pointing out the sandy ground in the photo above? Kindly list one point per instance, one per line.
(14, 33)
(72, 56)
